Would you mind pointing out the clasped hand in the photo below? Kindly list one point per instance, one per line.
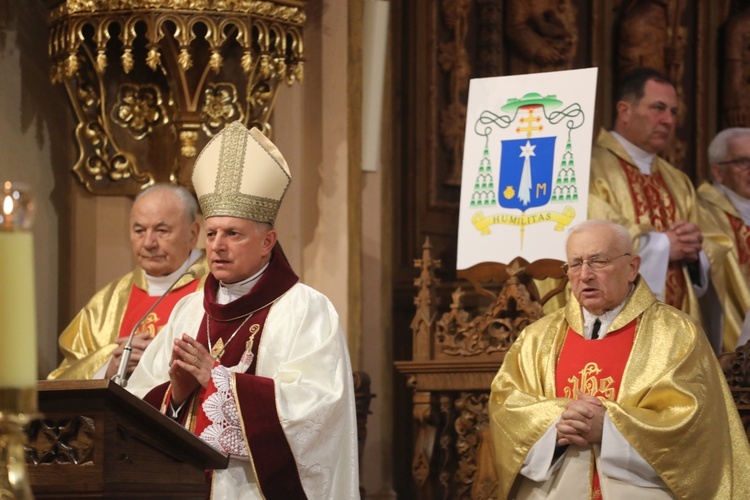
(685, 241)
(189, 368)
(581, 421)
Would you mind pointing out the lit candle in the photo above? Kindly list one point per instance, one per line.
(17, 301)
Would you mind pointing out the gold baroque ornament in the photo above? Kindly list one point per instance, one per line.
(138, 109)
(152, 81)
(220, 107)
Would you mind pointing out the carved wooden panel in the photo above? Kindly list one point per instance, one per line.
(61, 441)
(736, 366)
(456, 354)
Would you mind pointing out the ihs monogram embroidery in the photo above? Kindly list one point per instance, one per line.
(589, 384)
(149, 324)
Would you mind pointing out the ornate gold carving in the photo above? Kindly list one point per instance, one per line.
(271, 10)
(220, 107)
(164, 70)
(188, 139)
(138, 109)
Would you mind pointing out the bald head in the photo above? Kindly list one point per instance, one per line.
(619, 236)
(601, 265)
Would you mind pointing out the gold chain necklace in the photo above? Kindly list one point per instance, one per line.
(217, 351)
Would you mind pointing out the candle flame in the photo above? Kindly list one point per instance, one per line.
(7, 205)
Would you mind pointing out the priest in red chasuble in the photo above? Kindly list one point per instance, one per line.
(617, 395)
(256, 363)
(163, 234)
(682, 252)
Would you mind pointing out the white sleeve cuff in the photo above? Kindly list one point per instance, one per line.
(704, 269)
(538, 465)
(654, 252)
(619, 460)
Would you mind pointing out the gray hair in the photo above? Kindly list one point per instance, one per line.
(620, 234)
(187, 200)
(717, 150)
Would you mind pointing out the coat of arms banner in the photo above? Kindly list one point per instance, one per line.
(527, 153)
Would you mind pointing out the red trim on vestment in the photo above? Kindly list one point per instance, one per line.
(156, 396)
(273, 460)
(140, 301)
(742, 241)
(594, 367)
(654, 205)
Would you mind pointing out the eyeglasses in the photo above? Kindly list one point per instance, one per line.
(594, 263)
(742, 164)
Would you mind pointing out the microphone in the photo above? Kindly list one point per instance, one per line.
(128, 349)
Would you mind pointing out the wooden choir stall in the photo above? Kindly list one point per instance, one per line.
(456, 355)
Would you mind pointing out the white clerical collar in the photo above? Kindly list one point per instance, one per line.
(741, 203)
(643, 159)
(605, 319)
(229, 292)
(157, 285)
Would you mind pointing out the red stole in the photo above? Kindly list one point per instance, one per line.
(654, 205)
(140, 301)
(742, 242)
(594, 367)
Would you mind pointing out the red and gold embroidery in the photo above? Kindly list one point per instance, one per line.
(742, 241)
(654, 205)
(150, 325)
(588, 383)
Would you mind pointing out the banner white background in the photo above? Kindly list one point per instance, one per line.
(513, 201)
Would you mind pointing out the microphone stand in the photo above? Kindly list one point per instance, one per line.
(128, 349)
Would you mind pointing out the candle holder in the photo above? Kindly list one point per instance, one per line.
(19, 408)
(18, 395)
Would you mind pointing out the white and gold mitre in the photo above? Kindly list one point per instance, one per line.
(240, 173)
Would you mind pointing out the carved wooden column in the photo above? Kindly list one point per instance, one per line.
(455, 357)
(152, 82)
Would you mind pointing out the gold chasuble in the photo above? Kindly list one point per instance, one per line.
(733, 274)
(88, 341)
(672, 405)
(650, 203)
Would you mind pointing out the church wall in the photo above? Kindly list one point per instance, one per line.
(33, 130)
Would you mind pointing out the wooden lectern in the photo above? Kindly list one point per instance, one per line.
(94, 439)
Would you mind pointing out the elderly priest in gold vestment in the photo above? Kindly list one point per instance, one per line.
(163, 235)
(727, 200)
(616, 396)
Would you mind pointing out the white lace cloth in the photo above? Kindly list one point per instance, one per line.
(225, 431)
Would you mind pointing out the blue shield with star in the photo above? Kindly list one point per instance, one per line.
(526, 172)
